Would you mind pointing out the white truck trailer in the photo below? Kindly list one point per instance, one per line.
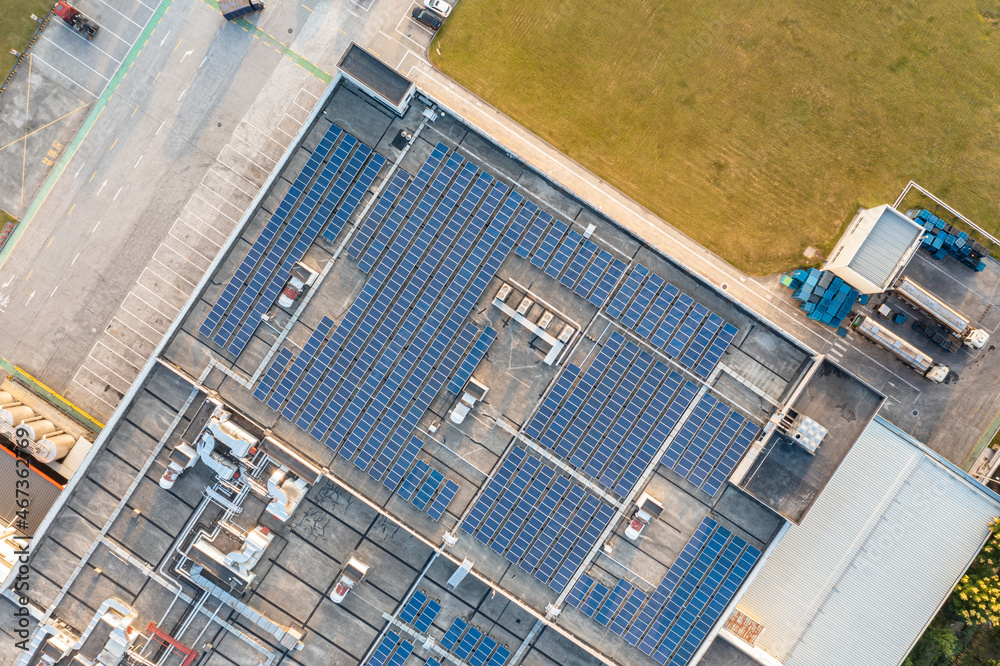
(901, 349)
(956, 322)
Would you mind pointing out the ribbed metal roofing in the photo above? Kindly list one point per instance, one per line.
(883, 545)
(884, 247)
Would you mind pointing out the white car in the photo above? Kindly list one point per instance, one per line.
(439, 6)
(302, 276)
(647, 510)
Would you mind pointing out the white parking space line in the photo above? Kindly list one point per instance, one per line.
(34, 56)
(84, 387)
(248, 159)
(215, 207)
(135, 295)
(92, 45)
(181, 241)
(211, 240)
(186, 260)
(173, 271)
(124, 360)
(125, 382)
(75, 58)
(122, 322)
(162, 279)
(120, 14)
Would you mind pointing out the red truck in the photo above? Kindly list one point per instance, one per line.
(75, 19)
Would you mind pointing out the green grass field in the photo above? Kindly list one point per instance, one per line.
(756, 128)
(16, 28)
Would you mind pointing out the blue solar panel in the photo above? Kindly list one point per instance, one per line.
(401, 654)
(413, 478)
(351, 201)
(569, 535)
(301, 362)
(657, 310)
(563, 254)
(488, 530)
(458, 626)
(441, 502)
(731, 457)
(493, 489)
(715, 350)
(623, 618)
(548, 244)
(406, 459)
(717, 448)
(525, 505)
(613, 602)
(551, 528)
(533, 527)
(538, 226)
(499, 657)
(483, 652)
(412, 607)
(579, 262)
(686, 330)
(427, 615)
(593, 274)
(701, 441)
(427, 489)
(687, 432)
(385, 647)
(378, 213)
(579, 590)
(609, 385)
(627, 291)
(468, 642)
(476, 354)
(701, 340)
(593, 600)
(671, 321)
(584, 544)
(643, 301)
(278, 365)
(608, 282)
(552, 400)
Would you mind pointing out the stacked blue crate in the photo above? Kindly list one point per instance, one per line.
(941, 239)
(823, 296)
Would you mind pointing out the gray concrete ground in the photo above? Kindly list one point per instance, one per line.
(58, 84)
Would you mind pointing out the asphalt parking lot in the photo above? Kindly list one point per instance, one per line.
(61, 77)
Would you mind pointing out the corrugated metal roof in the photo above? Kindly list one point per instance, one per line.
(884, 247)
(884, 543)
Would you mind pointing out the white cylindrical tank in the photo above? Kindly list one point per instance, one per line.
(36, 429)
(53, 448)
(6, 398)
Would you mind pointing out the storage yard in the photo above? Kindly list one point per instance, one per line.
(754, 128)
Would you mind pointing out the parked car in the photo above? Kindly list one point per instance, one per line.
(427, 17)
(439, 6)
(647, 510)
(302, 276)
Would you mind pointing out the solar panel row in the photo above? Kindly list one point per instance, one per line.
(377, 215)
(290, 378)
(423, 484)
(474, 357)
(471, 644)
(612, 423)
(278, 365)
(391, 651)
(256, 252)
(271, 275)
(643, 301)
(710, 443)
(537, 518)
(672, 622)
(420, 611)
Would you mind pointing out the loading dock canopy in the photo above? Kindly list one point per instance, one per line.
(876, 247)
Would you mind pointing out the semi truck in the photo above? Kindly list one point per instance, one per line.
(232, 9)
(956, 322)
(901, 349)
(75, 19)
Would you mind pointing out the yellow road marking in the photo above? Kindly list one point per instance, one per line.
(306, 8)
(157, 76)
(113, 144)
(29, 274)
(69, 212)
(92, 176)
(134, 110)
(43, 127)
(177, 44)
(52, 239)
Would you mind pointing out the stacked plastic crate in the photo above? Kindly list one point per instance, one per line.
(823, 296)
(941, 239)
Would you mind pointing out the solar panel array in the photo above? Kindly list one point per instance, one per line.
(472, 645)
(431, 245)
(420, 611)
(538, 519)
(474, 357)
(710, 444)
(423, 484)
(318, 200)
(391, 651)
(670, 623)
(613, 421)
(643, 301)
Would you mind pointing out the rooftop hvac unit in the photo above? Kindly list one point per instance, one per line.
(806, 433)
